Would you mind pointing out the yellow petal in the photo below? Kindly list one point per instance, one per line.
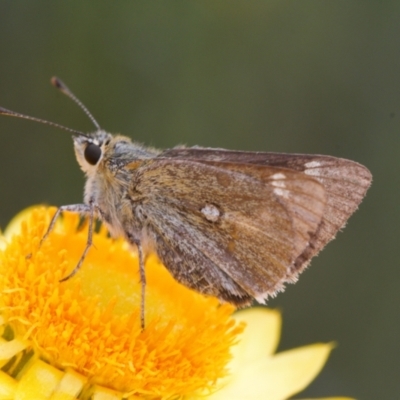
(10, 348)
(70, 386)
(3, 241)
(8, 386)
(261, 336)
(14, 226)
(278, 377)
(38, 382)
(106, 394)
(331, 398)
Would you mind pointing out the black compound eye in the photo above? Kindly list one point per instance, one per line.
(92, 153)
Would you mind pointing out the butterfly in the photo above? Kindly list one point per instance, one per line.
(232, 224)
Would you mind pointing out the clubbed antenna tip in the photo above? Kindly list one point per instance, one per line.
(59, 84)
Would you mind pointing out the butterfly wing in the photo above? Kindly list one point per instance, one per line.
(345, 182)
(227, 229)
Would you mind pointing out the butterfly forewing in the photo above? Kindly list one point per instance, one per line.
(226, 228)
(345, 183)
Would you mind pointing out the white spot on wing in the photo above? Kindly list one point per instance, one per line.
(312, 168)
(312, 164)
(278, 175)
(211, 212)
(278, 184)
(277, 180)
(282, 192)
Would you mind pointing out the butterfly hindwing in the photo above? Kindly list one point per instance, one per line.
(228, 228)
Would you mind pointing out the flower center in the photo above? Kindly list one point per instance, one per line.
(91, 322)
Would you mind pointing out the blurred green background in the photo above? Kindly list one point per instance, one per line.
(290, 76)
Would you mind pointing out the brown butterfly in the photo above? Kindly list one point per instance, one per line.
(231, 224)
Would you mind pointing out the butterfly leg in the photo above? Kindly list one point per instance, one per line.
(82, 209)
(142, 273)
(143, 283)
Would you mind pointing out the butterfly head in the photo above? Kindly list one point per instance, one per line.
(90, 149)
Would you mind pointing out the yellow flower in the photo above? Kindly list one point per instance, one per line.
(81, 339)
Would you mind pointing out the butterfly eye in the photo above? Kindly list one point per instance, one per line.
(92, 153)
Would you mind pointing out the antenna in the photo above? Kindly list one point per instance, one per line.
(64, 89)
(9, 113)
